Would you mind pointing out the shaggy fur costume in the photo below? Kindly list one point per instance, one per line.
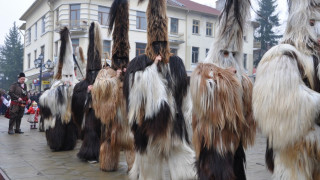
(286, 99)
(55, 103)
(110, 106)
(223, 124)
(108, 101)
(83, 113)
(156, 97)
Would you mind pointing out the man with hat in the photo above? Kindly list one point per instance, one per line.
(19, 99)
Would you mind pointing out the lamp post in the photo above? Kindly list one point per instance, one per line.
(38, 63)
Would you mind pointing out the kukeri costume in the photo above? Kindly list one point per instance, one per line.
(55, 103)
(82, 111)
(107, 94)
(158, 105)
(223, 124)
(286, 99)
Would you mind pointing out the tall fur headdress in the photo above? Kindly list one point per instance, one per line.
(231, 27)
(94, 48)
(298, 32)
(158, 42)
(119, 19)
(66, 63)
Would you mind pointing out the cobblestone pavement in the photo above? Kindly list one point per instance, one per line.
(27, 156)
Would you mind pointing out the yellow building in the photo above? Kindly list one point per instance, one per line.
(191, 31)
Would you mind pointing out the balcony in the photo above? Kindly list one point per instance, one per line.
(176, 39)
(79, 26)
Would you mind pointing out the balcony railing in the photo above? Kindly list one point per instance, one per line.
(73, 25)
(176, 39)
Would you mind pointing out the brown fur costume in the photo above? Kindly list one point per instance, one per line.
(107, 94)
(223, 124)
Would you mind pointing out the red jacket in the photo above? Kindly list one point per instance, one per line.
(32, 111)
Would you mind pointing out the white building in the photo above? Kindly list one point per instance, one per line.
(191, 30)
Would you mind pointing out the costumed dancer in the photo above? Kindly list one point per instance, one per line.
(286, 99)
(223, 124)
(55, 103)
(107, 94)
(156, 89)
(82, 111)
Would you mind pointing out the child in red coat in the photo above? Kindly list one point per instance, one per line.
(34, 113)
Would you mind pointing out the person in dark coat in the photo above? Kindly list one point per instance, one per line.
(19, 99)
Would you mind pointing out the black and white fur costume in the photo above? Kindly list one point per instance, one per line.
(82, 111)
(55, 103)
(156, 98)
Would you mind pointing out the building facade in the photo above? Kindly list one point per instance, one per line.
(191, 31)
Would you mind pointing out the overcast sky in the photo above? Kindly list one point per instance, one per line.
(12, 10)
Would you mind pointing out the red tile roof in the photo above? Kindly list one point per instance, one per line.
(193, 6)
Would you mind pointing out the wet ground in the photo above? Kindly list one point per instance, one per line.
(27, 156)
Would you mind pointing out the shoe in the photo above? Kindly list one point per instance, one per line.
(10, 132)
(92, 161)
(18, 131)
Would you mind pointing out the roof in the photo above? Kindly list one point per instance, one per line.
(34, 5)
(193, 6)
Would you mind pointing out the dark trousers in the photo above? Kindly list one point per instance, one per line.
(16, 114)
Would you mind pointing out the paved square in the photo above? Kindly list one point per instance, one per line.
(27, 156)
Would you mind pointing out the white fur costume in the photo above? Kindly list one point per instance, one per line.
(286, 99)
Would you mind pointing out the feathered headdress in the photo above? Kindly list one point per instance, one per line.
(299, 32)
(158, 43)
(119, 19)
(65, 64)
(227, 48)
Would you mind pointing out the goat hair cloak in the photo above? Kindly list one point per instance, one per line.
(107, 95)
(159, 112)
(55, 103)
(286, 99)
(222, 123)
(83, 113)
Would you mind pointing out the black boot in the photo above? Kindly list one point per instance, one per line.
(18, 131)
(10, 131)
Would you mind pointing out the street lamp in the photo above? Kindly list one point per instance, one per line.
(38, 63)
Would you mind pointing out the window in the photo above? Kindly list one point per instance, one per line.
(140, 48)
(75, 44)
(174, 51)
(29, 36)
(209, 29)
(195, 27)
(35, 54)
(174, 26)
(245, 61)
(56, 48)
(141, 20)
(74, 15)
(207, 51)
(42, 51)
(35, 31)
(29, 60)
(103, 15)
(106, 49)
(43, 24)
(195, 54)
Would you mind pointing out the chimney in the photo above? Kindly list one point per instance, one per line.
(220, 4)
